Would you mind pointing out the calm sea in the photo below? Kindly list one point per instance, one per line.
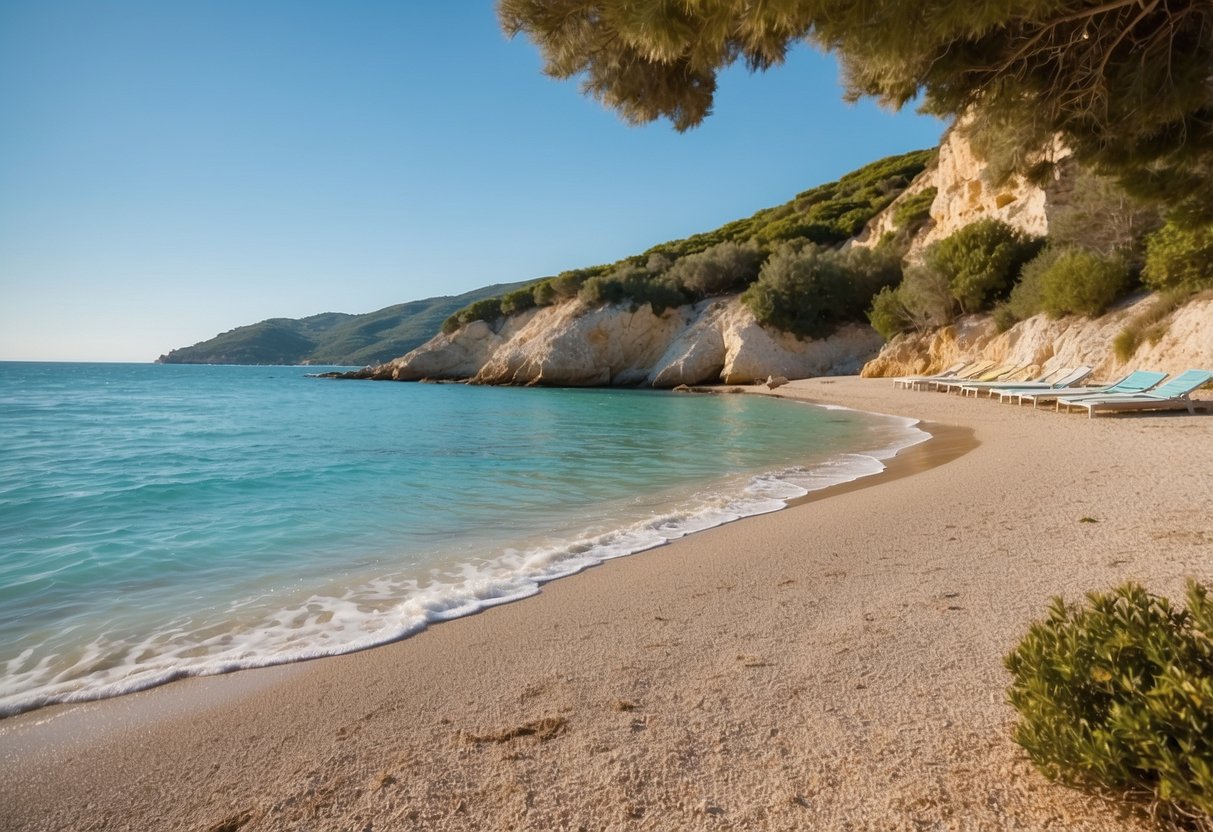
(162, 521)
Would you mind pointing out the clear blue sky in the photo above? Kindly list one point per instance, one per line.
(171, 170)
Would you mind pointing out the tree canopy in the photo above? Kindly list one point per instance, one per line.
(1126, 84)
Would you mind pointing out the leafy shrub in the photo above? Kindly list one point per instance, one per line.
(1178, 257)
(888, 315)
(981, 261)
(921, 302)
(927, 298)
(1117, 694)
(1082, 283)
(808, 290)
(518, 301)
(568, 284)
(632, 283)
(1027, 296)
(1125, 344)
(725, 267)
(488, 309)
(914, 210)
(544, 293)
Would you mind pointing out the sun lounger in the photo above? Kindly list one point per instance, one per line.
(1171, 395)
(950, 372)
(1022, 375)
(971, 371)
(1135, 382)
(1039, 383)
(1070, 378)
(998, 372)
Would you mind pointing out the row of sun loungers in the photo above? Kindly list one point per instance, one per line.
(1139, 390)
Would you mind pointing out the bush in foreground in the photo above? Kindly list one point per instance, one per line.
(1116, 695)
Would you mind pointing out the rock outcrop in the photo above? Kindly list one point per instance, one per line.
(573, 345)
(1185, 341)
(964, 195)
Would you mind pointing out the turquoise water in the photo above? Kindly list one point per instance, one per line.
(161, 521)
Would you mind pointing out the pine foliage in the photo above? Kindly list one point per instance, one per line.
(1124, 83)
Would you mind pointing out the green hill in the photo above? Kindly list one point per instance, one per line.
(333, 337)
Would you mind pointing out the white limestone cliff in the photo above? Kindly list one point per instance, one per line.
(573, 345)
(1185, 342)
(964, 195)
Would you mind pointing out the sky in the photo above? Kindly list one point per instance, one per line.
(172, 170)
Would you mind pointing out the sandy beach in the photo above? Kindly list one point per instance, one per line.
(834, 666)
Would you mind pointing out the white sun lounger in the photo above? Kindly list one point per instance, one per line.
(1067, 381)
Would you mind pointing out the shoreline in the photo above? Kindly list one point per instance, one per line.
(836, 662)
(582, 549)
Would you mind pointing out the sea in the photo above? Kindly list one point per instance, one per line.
(162, 521)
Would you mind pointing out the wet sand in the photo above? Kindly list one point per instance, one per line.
(837, 665)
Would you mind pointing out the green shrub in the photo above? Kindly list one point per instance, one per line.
(725, 267)
(488, 309)
(927, 298)
(888, 315)
(1178, 257)
(921, 302)
(568, 284)
(632, 283)
(808, 290)
(1027, 296)
(518, 301)
(544, 293)
(981, 261)
(914, 210)
(1082, 283)
(1117, 695)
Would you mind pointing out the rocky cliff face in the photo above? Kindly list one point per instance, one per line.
(963, 196)
(1186, 342)
(716, 340)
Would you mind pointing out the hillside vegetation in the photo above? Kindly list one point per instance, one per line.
(1103, 246)
(332, 337)
(778, 256)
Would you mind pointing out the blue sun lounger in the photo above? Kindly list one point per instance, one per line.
(1172, 395)
(1136, 382)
